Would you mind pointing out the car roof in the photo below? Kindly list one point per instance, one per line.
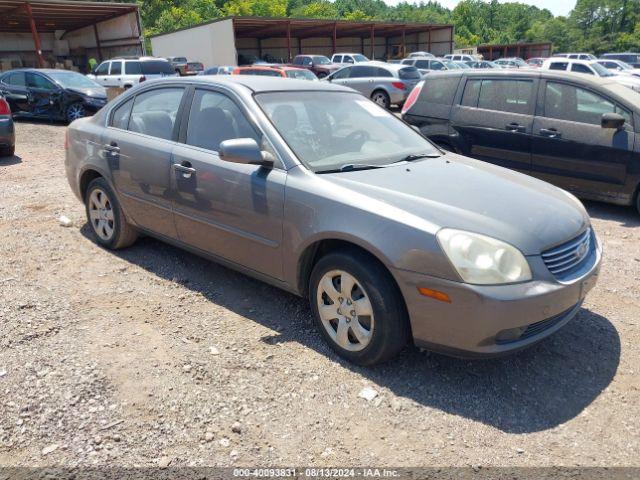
(390, 66)
(549, 74)
(260, 84)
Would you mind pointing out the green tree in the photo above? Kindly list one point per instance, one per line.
(257, 8)
(322, 9)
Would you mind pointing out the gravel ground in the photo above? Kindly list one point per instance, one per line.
(152, 356)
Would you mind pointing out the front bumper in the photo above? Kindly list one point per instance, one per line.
(486, 321)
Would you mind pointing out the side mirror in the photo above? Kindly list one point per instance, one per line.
(244, 150)
(612, 120)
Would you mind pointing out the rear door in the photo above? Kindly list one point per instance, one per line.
(115, 74)
(495, 119)
(14, 88)
(138, 144)
(571, 149)
(231, 210)
(361, 78)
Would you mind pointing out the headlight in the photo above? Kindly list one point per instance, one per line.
(483, 260)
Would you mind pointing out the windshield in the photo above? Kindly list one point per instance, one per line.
(301, 74)
(360, 58)
(180, 59)
(327, 130)
(321, 60)
(601, 71)
(73, 80)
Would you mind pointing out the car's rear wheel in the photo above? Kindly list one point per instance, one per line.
(75, 111)
(7, 151)
(381, 98)
(638, 200)
(108, 224)
(357, 307)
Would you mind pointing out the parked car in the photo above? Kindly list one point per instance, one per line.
(461, 64)
(421, 54)
(511, 63)
(590, 67)
(223, 70)
(125, 72)
(535, 62)
(632, 59)
(52, 94)
(619, 67)
(581, 137)
(461, 58)
(7, 132)
(482, 64)
(575, 56)
(348, 58)
(386, 84)
(426, 65)
(314, 189)
(318, 64)
(183, 67)
(276, 71)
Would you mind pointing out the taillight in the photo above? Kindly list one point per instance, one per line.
(142, 79)
(4, 107)
(399, 85)
(412, 98)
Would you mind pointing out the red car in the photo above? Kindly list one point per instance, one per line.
(276, 71)
(535, 62)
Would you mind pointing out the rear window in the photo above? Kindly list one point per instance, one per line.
(558, 65)
(439, 90)
(409, 73)
(156, 67)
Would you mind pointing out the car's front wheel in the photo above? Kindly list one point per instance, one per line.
(357, 307)
(75, 111)
(108, 223)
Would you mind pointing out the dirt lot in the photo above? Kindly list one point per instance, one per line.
(152, 356)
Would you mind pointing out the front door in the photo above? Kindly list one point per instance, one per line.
(138, 146)
(45, 97)
(572, 150)
(102, 74)
(231, 210)
(495, 120)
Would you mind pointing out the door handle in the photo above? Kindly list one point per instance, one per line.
(113, 147)
(516, 127)
(550, 132)
(186, 169)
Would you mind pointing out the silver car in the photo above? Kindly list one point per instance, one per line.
(386, 84)
(319, 191)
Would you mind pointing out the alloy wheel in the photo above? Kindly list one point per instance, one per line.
(101, 214)
(380, 98)
(75, 112)
(345, 310)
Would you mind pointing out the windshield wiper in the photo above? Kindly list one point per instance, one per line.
(350, 167)
(418, 156)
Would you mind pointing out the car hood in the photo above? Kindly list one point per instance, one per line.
(627, 80)
(458, 192)
(95, 92)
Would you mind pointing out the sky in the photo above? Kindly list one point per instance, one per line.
(557, 7)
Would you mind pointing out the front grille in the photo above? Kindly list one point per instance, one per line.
(565, 259)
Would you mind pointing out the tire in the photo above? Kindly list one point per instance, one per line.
(356, 336)
(7, 151)
(75, 111)
(381, 98)
(108, 224)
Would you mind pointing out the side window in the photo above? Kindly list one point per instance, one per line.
(38, 81)
(435, 65)
(422, 64)
(383, 72)
(558, 65)
(439, 91)
(579, 68)
(348, 59)
(103, 69)
(306, 61)
(17, 79)
(116, 68)
(337, 59)
(506, 95)
(342, 73)
(214, 118)
(566, 102)
(132, 68)
(361, 71)
(471, 92)
(154, 112)
(407, 61)
(297, 61)
(120, 117)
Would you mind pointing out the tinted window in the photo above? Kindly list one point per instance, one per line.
(558, 66)
(18, 79)
(342, 73)
(471, 92)
(383, 72)
(157, 67)
(566, 102)
(360, 71)
(437, 65)
(439, 90)
(306, 61)
(348, 59)
(132, 68)
(407, 61)
(120, 117)
(103, 69)
(505, 95)
(116, 68)
(215, 118)
(576, 67)
(297, 61)
(38, 81)
(409, 73)
(337, 59)
(421, 64)
(154, 113)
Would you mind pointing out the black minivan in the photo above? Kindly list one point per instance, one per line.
(575, 131)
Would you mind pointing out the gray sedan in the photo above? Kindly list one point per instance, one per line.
(384, 83)
(319, 191)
